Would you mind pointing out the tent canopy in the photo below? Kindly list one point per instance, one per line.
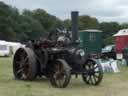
(123, 32)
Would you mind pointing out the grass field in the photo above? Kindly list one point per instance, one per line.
(112, 85)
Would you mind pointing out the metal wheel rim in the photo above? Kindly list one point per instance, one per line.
(94, 73)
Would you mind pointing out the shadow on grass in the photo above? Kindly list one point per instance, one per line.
(37, 80)
(73, 84)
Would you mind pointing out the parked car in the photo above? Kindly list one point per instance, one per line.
(109, 51)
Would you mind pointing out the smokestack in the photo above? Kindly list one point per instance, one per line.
(74, 16)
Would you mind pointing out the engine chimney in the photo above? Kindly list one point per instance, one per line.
(74, 16)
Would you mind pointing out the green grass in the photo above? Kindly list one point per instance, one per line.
(112, 85)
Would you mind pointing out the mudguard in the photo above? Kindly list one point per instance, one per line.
(93, 59)
(65, 64)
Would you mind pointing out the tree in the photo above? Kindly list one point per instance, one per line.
(84, 22)
(124, 26)
(87, 22)
(30, 28)
(6, 30)
(109, 29)
(67, 24)
(27, 25)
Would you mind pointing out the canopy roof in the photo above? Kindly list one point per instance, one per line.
(123, 32)
(90, 30)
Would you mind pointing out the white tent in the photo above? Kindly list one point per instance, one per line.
(9, 45)
(15, 46)
(123, 32)
(4, 48)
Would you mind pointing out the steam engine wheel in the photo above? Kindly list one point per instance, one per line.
(61, 75)
(94, 73)
(24, 64)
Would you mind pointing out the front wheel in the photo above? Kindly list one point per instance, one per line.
(94, 72)
(61, 75)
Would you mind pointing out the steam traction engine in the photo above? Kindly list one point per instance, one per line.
(57, 60)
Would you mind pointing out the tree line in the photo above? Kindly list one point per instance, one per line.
(34, 24)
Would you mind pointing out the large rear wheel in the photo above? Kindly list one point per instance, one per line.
(61, 75)
(24, 64)
(94, 73)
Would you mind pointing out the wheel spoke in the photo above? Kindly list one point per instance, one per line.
(19, 71)
(25, 59)
(96, 66)
(24, 65)
(17, 62)
(87, 77)
(23, 76)
(90, 65)
(94, 79)
(59, 80)
(96, 76)
(91, 79)
(88, 80)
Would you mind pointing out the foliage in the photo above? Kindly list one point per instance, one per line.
(87, 22)
(109, 29)
(35, 24)
(84, 22)
(27, 25)
(109, 40)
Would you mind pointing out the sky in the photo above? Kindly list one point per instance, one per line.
(103, 10)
